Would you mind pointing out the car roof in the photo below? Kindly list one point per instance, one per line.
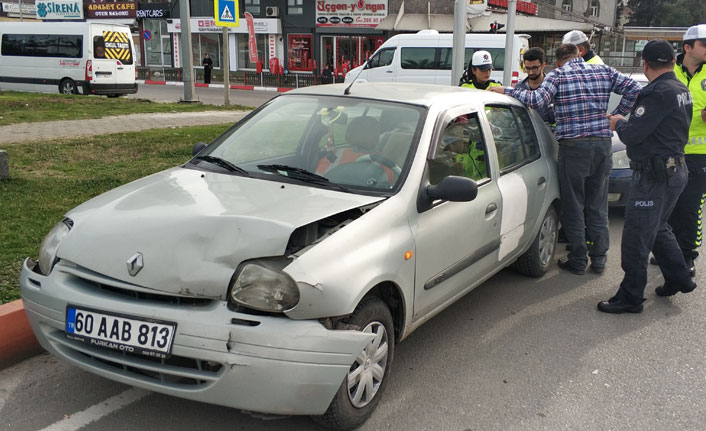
(418, 94)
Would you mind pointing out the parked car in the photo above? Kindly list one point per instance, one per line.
(620, 175)
(276, 270)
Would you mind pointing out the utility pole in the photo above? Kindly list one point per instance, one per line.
(509, 41)
(458, 52)
(186, 55)
(226, 67)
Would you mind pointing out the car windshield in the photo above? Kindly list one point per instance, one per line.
(342, 143)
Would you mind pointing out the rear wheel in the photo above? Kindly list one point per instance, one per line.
(535, 262)
(68, 86)
(365, 382)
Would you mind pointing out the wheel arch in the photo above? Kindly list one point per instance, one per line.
(391, 295)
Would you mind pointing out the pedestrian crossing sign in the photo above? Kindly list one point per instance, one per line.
(226, 13)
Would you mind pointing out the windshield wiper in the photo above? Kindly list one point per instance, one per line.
(302, 175)
(223, 163)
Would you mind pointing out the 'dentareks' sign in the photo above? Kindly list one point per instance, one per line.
(59, 9)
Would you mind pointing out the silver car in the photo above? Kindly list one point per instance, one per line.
(276, 270)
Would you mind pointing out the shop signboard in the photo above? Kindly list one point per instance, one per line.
(350, 13)
(59, 9)
(13, 8)
(208, 25)
(102, 9)
(153, 10)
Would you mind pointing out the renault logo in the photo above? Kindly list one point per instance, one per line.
(135, 264)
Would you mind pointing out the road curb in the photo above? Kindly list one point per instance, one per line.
(17, 341)
(200, 85)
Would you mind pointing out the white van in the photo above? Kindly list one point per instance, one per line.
(426, 57)
(68, 57)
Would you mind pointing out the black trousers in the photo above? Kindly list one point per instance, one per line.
(207, 75)
(650, 202)
(686, 217)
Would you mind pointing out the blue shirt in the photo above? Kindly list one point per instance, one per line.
(580, 92)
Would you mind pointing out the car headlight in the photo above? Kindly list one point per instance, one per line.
(261, 285)
(50, 245)
(621, 160)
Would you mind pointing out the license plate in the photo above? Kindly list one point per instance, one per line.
(128, 334)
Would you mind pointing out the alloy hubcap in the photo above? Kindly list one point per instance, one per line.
(368, 370)
(547, 239)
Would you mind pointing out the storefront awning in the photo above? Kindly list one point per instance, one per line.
(444, 23)
(649, 33)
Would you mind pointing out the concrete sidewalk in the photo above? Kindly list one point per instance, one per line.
(21, 132)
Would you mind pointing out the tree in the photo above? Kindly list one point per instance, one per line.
(666, 13)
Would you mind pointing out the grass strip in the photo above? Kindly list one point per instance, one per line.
(48, 178)
(18, 107)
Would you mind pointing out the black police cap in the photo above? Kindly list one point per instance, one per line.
(658, 51)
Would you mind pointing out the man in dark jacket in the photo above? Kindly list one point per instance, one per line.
(207, 66)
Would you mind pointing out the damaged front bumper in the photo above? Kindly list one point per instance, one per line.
(263, 364)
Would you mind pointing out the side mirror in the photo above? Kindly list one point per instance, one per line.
(451, 188)
(198, 147)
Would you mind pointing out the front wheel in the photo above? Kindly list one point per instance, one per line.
(362, 388)
(68, 86)
(536, 261)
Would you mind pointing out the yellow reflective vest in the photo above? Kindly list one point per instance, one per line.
(595, 60)
(697, 87)
(491, 83)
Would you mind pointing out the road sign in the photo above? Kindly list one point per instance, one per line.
(226, 13)
(147, 35)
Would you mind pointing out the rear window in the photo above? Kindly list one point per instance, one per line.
(113, 45)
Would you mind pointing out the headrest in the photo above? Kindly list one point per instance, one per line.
(363, 132)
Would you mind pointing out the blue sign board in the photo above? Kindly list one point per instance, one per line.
(147, 35)
(226, 13)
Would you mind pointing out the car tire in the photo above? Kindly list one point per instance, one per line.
(68, 86)
(353, 403)
(536, 261)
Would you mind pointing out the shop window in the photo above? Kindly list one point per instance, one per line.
(295, 7)
(206, 43)
(243, 52)
(299, 52)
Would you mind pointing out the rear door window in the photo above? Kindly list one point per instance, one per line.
(113, 45)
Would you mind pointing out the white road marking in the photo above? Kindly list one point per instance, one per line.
(80, 419)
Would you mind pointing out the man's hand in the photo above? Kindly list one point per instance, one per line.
(499, 90)
(614, 120)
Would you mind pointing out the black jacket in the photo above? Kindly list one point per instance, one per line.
(659, 121)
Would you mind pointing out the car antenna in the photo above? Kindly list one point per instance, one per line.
(347, 91)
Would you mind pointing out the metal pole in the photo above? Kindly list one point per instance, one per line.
(21, 15)
(226, 67)
(509, 39)
(186, 55)
(458, 51)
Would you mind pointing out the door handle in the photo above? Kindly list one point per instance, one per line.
(388, 71)
(541, 181)
(490, 208)
(120, 68)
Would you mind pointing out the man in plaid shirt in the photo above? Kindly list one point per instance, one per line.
(580, 92)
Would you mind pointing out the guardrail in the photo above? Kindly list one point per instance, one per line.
(246, 78)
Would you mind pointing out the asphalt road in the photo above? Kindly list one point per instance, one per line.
(514, 354)
(211, 96)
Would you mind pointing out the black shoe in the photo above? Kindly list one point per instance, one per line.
(566, 265)
(598, 269)
(667, 290)
(618, 306)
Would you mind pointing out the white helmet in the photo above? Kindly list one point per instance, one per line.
(575, 36)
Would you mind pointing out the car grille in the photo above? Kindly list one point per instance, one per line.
(176, 372)
(87, 279)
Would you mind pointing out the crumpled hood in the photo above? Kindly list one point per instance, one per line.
(193, 228)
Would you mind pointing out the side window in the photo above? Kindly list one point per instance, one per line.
(98, 47)
(461, 151)
(508, 130)
(382, 58)
(418, 58)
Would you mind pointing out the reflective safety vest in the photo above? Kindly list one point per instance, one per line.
(473, 162)
(491, 83)
(595, 60)
(697, 87)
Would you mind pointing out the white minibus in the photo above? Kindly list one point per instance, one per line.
(68, 57)
(426, 57)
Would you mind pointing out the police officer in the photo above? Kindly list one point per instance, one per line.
(580, 39)
(655, 137)
(686, 219)
(477, 75)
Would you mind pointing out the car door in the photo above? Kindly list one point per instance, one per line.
(456, 242)
(380, 67)
(524, 176)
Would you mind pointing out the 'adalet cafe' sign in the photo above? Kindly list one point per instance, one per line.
(103, 9)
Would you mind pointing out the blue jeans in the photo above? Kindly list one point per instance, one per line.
(650, 202)
(584, 166)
